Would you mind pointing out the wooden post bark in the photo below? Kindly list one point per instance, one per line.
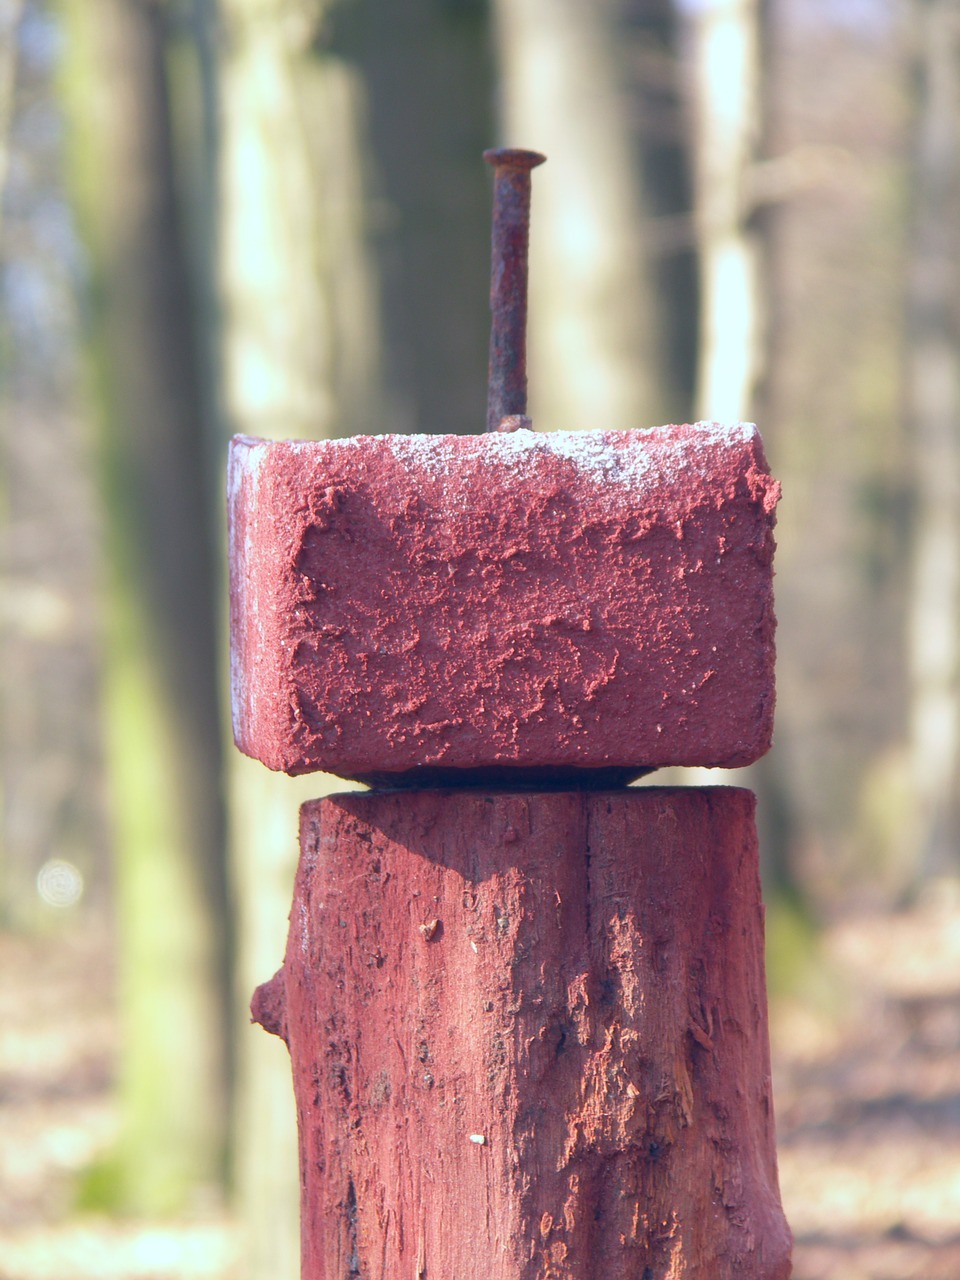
(529, 1037)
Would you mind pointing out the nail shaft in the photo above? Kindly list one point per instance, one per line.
(507, 378)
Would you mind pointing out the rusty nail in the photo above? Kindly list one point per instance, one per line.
(507, 378)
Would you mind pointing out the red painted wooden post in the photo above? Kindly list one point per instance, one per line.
(524, 1004)
(528, 1036)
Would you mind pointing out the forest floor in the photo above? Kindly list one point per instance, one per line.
(867, 1077)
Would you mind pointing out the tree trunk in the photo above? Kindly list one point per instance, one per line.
(9, 49)
(727, 89)
(162, 710)
(529, 1037)
(933, 409)
(426, 71)
(603, 347)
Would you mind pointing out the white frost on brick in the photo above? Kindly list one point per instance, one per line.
(638, 460)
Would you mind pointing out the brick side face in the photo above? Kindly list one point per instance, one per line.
(575, 600)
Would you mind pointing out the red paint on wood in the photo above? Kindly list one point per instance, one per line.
(544, 601)
(529, 1038)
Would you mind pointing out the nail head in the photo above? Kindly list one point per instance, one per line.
(513, 157)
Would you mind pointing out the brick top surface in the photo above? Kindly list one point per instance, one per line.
(556, 601)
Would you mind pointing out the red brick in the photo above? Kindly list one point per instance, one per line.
(546, 601)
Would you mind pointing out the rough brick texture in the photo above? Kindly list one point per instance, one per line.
(586, 600)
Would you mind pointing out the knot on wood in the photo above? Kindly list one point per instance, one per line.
(269, 1006)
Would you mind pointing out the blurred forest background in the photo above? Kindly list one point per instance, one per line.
(271, 216)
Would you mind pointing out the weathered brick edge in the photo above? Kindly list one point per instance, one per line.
(575, 599)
